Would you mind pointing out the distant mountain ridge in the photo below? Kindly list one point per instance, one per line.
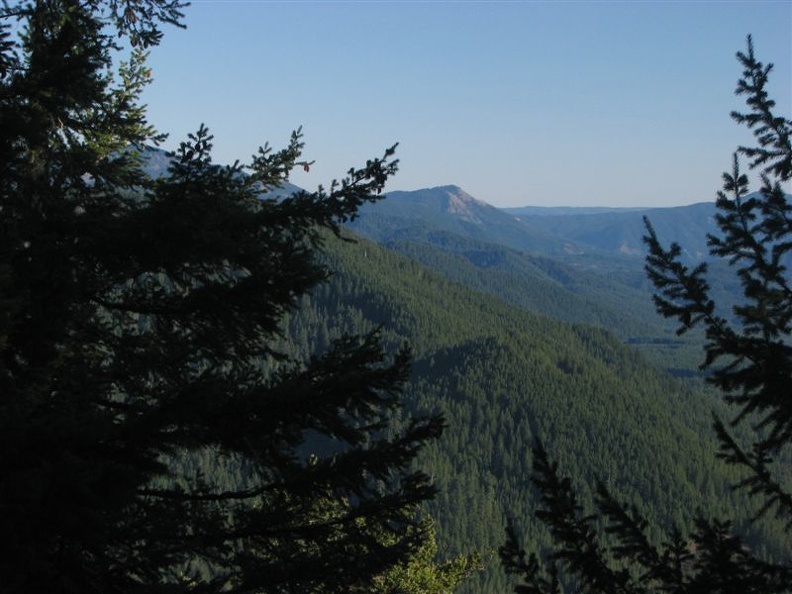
(448, 199)
(405, 216)
(622, 230)
(577, 267)
(587, 237)
(566, 232)
(570, 210)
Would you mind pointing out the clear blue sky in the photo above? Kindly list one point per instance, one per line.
(540, 103)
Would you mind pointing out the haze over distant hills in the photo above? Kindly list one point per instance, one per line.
(622, 229)
(576, 264)
(566, 232)
(552, 231)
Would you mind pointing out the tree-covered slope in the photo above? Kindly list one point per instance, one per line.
(503, 377)
(575, 265)
(451, 209)
(539, 284)
(576, 235)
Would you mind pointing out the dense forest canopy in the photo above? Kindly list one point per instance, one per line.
(208, 384)
(153, 438)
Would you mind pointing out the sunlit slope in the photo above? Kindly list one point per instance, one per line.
(502, 377)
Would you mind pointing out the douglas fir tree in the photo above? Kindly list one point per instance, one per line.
(151, 437)
(749, 356)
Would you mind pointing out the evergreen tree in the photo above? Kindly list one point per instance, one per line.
(749, 358)
(421, 574)
(151, 436)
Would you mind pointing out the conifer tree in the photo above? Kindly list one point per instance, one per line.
(748, 354)
(152, 438)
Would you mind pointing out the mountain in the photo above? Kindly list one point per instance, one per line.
(581, 236)
(514, 259)
(540, 260)
(575, 265)
(412, 215)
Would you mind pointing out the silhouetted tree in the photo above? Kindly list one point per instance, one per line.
(152, 438)
(749, 356)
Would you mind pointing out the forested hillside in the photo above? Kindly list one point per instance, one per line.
(539, 284)
(510, 346)
(579, 236)
(574, 265)
(502, 376)
(210, 384)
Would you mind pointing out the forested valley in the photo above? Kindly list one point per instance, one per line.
(503, 376)
(212, 381)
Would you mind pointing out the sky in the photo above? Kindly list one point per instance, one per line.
(561, 103)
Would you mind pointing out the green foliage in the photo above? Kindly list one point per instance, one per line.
(749, 358)
(535, 283)
(501, 376)
(620, 558)
(152, 435)
(421, 574)
(606, 290)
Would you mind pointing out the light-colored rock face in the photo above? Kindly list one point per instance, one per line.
(462, 204)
